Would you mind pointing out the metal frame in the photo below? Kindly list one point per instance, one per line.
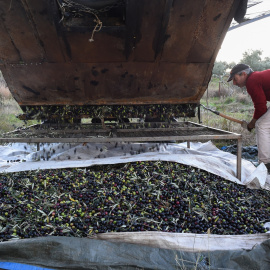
(94, 133)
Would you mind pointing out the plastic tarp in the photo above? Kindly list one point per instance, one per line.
(205, 156)
(142, 250)
(187, 241)
(73, 253)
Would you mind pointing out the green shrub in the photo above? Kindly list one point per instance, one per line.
(229, 100)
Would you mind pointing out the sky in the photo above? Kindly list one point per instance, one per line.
(253, 36)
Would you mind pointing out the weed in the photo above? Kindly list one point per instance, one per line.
(9, 108)
(243, 98)
(4, 92)
(235, 104)
(229, 100)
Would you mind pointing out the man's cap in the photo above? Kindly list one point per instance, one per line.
(236, 69)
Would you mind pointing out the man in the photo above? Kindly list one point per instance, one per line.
(258, 87)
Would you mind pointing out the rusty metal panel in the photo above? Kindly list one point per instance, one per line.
(8, 50)
(144, 24)
(183, 21)
(21, 31)
(106, 46)
(210, 28)
(196, 28)
(105, 83)
(44, 14)
(162, 53)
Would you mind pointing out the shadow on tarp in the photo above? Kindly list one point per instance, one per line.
(81, 253)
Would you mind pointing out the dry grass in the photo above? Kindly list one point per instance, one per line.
(215, 121)
(217, 92)
(243, 98)
(9, 108)
(4, 92)
(232, 102)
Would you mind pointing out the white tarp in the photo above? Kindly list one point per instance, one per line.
(200, 155)
(187, 241)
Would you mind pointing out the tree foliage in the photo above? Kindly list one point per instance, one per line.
(253, 58)
(220, 68)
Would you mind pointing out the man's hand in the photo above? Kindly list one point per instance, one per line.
(249, 129)
(251, 124)
(246, 125)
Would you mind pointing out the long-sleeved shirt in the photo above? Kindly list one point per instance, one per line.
(258, 87)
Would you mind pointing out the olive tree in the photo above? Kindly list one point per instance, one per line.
(253, 58)
(219, 68)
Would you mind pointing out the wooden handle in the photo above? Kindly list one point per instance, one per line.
(231, 118)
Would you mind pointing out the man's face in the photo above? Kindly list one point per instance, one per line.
(240, 79)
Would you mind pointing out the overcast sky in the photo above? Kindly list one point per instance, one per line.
(253, 36)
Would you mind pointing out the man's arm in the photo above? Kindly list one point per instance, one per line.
(251, 124)
(256, 92)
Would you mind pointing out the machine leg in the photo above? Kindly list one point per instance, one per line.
(239, 158)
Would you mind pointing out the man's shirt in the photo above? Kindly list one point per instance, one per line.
(258, 87)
